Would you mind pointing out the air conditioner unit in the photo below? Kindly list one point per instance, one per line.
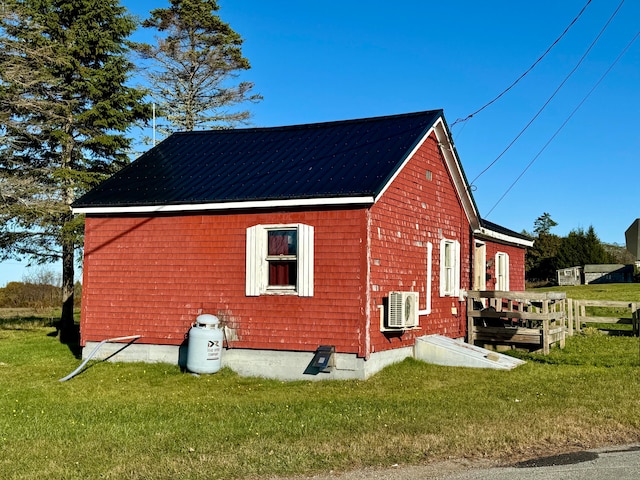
(403, 310)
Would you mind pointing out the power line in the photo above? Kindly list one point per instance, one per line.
(553, 94)
(527, 71)
(565, 122)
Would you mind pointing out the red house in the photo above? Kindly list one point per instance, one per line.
(360, 235)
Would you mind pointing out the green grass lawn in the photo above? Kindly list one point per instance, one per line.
(143, 421)
(628, 292)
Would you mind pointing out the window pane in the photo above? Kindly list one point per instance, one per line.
(448, 286)
(448, 255)
(448, 267)
(282, 273)
(282, 242)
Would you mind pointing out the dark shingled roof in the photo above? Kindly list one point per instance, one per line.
(336, 159)
(494, 227)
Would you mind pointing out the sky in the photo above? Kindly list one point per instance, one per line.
(564, 140)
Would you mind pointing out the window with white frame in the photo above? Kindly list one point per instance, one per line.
(279, 260)
(449, 268)
(502, 271)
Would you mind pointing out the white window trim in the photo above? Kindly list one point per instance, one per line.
(502, 259)
(454, 291)
(257, 266)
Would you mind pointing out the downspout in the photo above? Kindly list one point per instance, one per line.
(427, 310)
(367, 283)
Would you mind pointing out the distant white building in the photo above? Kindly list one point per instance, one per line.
(570, 276)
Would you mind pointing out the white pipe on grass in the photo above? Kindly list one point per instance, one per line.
(93, 352)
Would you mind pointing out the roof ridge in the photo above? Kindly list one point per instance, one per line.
(304, 126)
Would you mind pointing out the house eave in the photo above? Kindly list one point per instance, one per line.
(445, 144)
(501, 237)
(218, 206)
(450, 155)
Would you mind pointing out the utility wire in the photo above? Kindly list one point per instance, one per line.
(553, 94)
(459, 120)
(565, 122)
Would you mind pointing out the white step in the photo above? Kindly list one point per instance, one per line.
(441, 350)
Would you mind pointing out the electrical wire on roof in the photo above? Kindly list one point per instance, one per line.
(569, 75)
(565, 122)
(459, 120)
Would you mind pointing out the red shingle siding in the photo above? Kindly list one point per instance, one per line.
(516, 265)
(420, 206)
(154, 275)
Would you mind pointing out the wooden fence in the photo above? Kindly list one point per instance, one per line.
(518, 319)
(581, 315)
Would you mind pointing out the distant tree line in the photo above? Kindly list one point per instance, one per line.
(41, 290)
(580, 247)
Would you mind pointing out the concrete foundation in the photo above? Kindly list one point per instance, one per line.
(134, 352)
(280, 365)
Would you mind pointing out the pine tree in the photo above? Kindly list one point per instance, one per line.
(192, 67)
(543, 224)
(541, 259)
(582, 248)
(65, 110)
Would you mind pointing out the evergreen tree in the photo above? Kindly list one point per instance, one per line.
(65, 109)
(543, 224)
(193, 65)
(540, 260)
(582, 248)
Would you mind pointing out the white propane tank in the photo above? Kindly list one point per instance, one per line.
(205, 345)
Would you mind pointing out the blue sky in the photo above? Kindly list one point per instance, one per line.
(322, 61)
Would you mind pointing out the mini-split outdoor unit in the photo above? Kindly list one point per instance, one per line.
(403, 310)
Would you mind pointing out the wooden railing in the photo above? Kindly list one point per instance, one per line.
(536, 320)
(518, 319)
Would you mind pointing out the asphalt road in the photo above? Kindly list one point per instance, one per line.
(617, 463)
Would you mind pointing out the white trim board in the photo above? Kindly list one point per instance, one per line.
(194, 207)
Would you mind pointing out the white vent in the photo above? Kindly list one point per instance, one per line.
(403, 309)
